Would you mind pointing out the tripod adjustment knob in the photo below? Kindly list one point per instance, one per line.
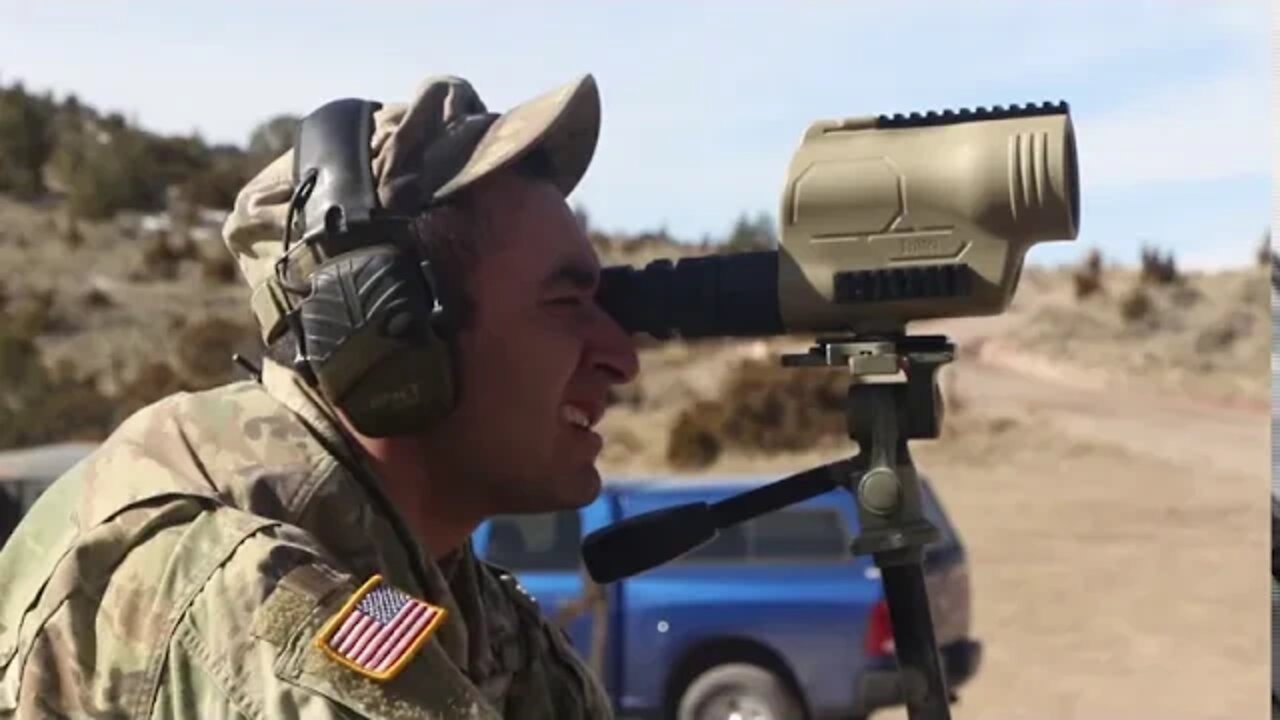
(879, 491)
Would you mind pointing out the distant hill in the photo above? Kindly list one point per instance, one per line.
(100, 163)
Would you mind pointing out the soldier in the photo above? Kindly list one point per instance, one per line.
(246, 552)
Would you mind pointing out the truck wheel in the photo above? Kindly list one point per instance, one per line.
(738, 691)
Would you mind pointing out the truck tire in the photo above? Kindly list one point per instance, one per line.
(750, 691)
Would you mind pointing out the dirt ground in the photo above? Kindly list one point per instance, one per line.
(1117, 538)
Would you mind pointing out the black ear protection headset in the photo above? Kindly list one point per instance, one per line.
(371, 333)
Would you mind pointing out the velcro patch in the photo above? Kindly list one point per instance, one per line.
(379, 630)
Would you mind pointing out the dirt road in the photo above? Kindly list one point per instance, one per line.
(1117, 537)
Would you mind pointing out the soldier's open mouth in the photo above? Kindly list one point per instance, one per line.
(575, 416)
(581, 415)
(580, 420)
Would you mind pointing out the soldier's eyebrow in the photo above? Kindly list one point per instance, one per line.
(572, 275)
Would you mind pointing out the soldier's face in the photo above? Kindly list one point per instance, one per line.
(536, 363)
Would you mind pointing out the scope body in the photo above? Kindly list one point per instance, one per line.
(883, 220)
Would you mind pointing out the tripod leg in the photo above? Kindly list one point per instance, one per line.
(923, 683)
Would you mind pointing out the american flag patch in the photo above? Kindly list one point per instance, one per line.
(379, 630)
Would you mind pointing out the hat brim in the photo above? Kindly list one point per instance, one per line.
(564, 123)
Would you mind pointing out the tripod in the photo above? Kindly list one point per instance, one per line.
(893, 398)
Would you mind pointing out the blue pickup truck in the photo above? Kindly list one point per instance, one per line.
(773, 619)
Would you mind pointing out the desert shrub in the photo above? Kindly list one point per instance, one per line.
(773, 409)
(162, 254)
(1224, 333)
(109, 166)
(219, 268)
(216, 184)
(153, 381)
(1266, 255)
(97, 299)
(38, 406)
(105, 164)
(1158, 268)
(26, 141)
(1185, 295)
(1088, 278)
(72, 409)
(1001, 425)
(108, 169)
(1136, 306)
(696, 438)
(31, 314)
(751, 234)
(71, 234)
(202, 352)
(20, 368)
(762, 408)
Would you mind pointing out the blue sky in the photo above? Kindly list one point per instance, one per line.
(705, 102)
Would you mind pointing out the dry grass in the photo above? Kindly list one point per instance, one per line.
(1136, 306)
(1206, 333)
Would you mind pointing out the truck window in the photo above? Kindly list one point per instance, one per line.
(799, 535)
(729, 545)
(545, 541)
(783, 535)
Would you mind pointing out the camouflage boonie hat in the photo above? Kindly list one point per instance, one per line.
(421, 154)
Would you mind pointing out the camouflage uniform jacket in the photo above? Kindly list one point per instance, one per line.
(185, 569)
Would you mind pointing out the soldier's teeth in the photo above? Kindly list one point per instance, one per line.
(575, 417)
